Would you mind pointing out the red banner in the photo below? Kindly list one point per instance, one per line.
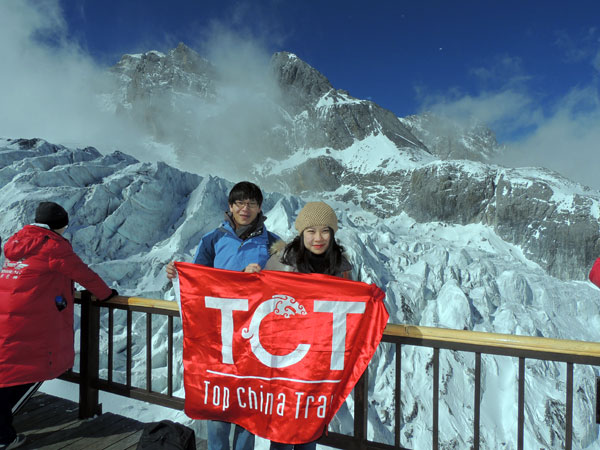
(275, 352)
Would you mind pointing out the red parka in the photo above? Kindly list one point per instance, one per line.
(595, 273)
(36, 339)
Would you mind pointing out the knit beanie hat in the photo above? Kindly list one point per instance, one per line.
(51, 214)
(316, 214)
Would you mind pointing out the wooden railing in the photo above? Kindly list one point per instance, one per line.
(478, 343)
(88, 375)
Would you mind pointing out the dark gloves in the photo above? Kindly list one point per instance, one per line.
(114, 293)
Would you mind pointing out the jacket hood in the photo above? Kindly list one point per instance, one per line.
(278, 247)
(28, 241)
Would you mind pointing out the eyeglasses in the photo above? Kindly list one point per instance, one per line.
(251, 204)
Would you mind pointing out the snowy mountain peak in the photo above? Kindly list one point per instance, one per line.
(298, 78)
(151, 74)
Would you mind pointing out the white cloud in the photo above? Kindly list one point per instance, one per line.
(48, 84)
(582, 47)
(505, 69)
(566, 140)
(596, 61)
(505, 111)
(49, 89)
(561, 134)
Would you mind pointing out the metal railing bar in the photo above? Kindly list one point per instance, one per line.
(111, 325)
(436, 398)
(569, 411)
(338, 440)
(443, 335)
(521, 347)
(477, 402)
(562, 346)
(161, 306)
(597, 399)
(343, 441)
(361, 408)
(149, 352)
(142, 309)
(491, 350)
(121, 304)
(88, 361)
(141, 394)
(398, 403)
(72, 377)
(521, 405)
(170, 356)
(478, 338)
(129, 344)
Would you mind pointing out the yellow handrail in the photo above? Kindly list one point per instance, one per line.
(143, 302)
(507, 341)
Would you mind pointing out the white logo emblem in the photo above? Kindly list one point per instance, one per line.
(12, 269)
(286, 306)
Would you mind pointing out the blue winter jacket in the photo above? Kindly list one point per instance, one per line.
(223, 249)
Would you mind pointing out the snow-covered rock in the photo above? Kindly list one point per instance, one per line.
(128, 219)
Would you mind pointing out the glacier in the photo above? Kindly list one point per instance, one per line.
(130, 218)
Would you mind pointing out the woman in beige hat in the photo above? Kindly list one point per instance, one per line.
(314, 250)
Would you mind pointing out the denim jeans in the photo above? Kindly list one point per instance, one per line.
(218, 436)
(307, 446)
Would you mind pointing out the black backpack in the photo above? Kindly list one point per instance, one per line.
(167, 435)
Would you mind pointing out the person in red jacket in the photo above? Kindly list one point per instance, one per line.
(595, 273)
(36, 309)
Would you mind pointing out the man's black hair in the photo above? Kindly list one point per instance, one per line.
(245, 190)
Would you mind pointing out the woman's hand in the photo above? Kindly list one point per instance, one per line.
(253, 268)
(171, 270)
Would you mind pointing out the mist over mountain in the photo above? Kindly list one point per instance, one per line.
(455, 240)
(304, 135)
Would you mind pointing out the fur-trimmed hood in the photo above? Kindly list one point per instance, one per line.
(276, 251)
(277, 248)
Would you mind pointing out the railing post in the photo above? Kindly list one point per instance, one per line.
(521, 405)
(398, 409)
(477, 402)
(88, 358)
(598, 400)
(569, 408)
(361, 392)
(436, 399)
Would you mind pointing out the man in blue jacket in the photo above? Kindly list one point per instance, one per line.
(242, 244)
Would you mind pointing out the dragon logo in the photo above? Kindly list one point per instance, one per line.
(287, 306)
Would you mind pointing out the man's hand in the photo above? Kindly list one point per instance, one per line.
(171, 270)
(252, 268)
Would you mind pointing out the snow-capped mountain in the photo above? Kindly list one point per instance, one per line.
(457, 243)
(316, 138)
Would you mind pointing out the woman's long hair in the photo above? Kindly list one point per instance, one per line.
(297, 255)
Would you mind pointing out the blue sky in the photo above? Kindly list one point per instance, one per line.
(529, 69)
(405, 56)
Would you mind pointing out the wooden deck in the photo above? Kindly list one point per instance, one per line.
(51, 423)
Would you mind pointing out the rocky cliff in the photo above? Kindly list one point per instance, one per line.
(309, 137)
